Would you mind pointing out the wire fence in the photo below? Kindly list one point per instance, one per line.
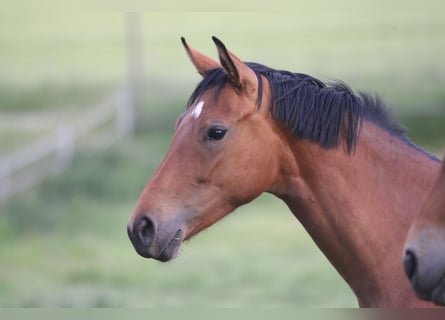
(52, 154)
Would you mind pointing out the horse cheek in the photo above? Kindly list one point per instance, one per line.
(252, 177)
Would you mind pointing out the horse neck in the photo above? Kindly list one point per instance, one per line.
(358, 208)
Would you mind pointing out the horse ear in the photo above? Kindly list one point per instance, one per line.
(240, 74)
(201, 62)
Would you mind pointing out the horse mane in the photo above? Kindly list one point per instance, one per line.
(312, 109)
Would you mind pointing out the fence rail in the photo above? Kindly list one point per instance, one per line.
(28, 166)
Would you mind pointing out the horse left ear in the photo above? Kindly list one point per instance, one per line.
(201, 62)
(240, 74)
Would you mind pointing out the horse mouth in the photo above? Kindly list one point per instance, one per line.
(434, 293)
(437, 293)
(171, 250)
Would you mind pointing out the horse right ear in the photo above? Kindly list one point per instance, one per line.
(201, 62)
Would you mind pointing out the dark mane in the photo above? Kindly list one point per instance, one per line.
(311, 109)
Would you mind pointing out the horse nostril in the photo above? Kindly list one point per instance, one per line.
(410, 263)
(145, 230)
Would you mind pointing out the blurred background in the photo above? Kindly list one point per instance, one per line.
(88, 103)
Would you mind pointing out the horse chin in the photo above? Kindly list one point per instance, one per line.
(428, 288)
(438, 294)
(171, 250)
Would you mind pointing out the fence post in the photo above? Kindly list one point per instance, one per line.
(135, 60)
(5, 179)
(124, 112)
(65, 146)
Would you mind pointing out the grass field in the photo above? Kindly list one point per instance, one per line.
(65, 244)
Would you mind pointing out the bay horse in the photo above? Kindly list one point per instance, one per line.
(340, 162)
(424, 258)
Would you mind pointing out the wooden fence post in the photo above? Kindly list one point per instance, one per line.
(125, 117)
(5, 179)
(65, 146)
(135, 60)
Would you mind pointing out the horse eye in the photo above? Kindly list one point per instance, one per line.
(216, 133)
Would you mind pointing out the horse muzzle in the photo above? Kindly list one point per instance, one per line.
(152, 241)
(424, 264)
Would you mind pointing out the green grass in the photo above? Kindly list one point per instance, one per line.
(50, 97)
(11, 139)
(427, 130)
(64, 243)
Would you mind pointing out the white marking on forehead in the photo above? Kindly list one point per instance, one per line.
(198, 109)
